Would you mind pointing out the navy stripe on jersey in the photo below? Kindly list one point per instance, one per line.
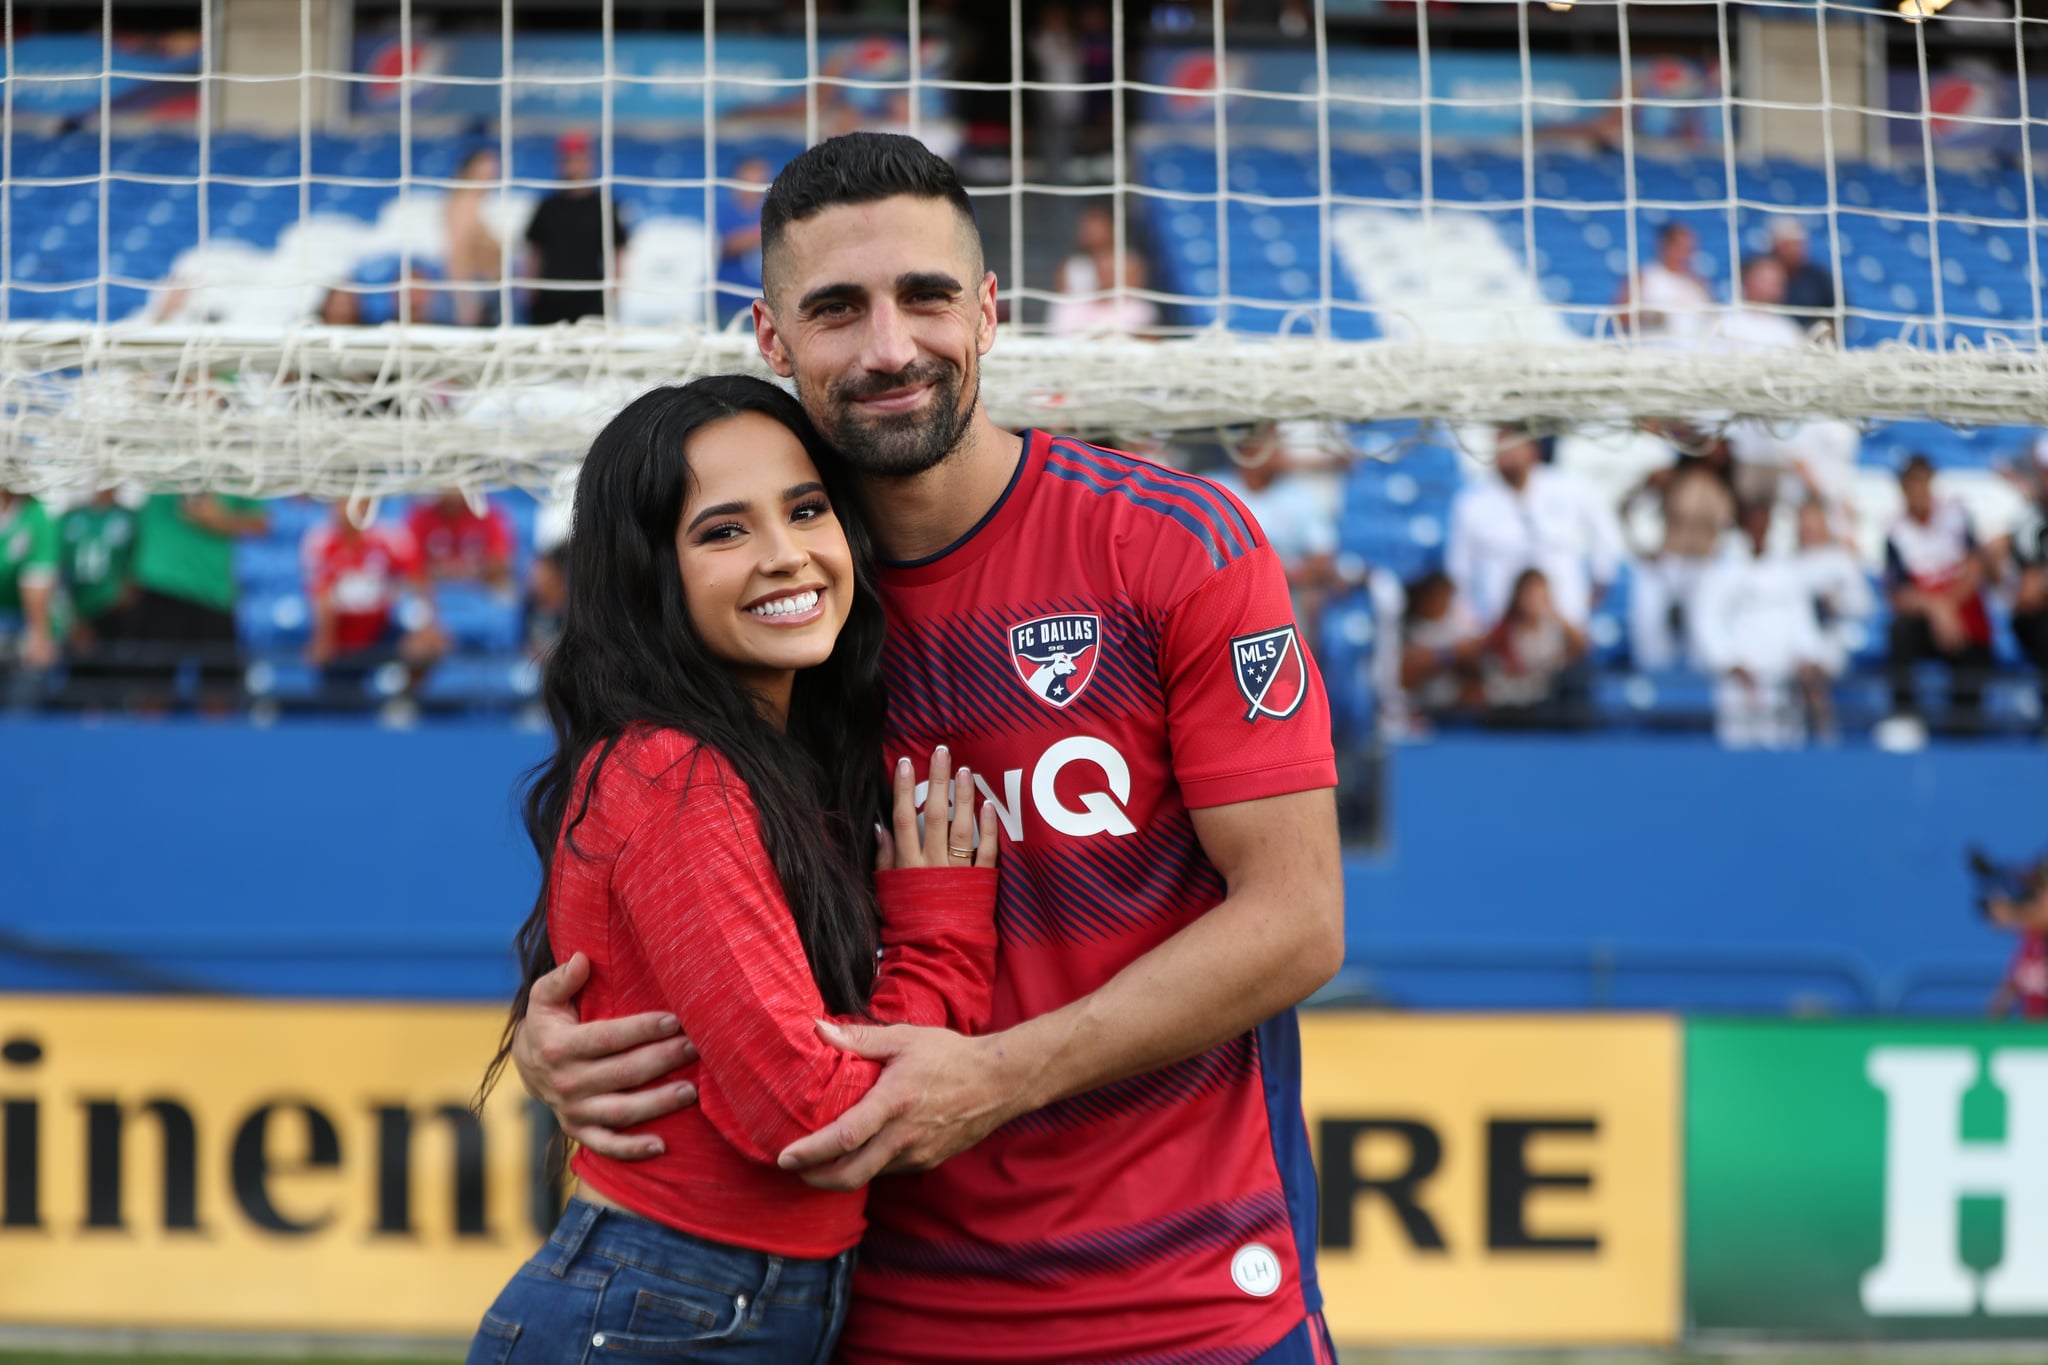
(1279, 1062)
(1206, 1355)
(957, 678)
(1111, 1251)
(1081, 893)
(1193, 489)
(1194, 502)
(1181, 1083)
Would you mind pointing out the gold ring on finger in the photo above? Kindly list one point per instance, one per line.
(959, 852)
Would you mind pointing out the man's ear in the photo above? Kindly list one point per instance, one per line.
(987, 331)
(769, 339)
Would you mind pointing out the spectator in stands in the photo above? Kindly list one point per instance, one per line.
(1530, 515)
(2027, 551)
(1296, 519)
(566, 237)
(1935, 575)
(1841, 594)
(1057, 61)
(1529, 652)
(457, 543)
(739, 238)
(370, 606)
(29, 559)
(1756, 630)
(1695, 496)
(475, 256)
(1809, 290)
(185, 595)
(1443, 646)
(1088, 262)
(1668, 300)
(98, 545)
(1122, 312)
(1819, 456)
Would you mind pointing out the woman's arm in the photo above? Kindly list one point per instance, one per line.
(701, 898)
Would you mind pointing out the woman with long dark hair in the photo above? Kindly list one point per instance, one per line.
(710, 834)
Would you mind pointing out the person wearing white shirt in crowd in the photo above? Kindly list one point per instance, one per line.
(1531, 516)
(1669, 302)
(1840, 588)
(1820, 456)
(1696, 499)
(1755, 628)
(1297, 519)
(1934, 573)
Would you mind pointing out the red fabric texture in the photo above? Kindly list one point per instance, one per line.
(666, 885)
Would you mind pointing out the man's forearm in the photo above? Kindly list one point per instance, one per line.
(1235, 967)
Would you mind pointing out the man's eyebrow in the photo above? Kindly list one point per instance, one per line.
(927, 279)
(830, 293)
(723, 509)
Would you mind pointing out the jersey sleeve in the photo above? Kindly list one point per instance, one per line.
(1246, 714)
(938, 947)
(697, 891)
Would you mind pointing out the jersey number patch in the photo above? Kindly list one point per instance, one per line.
(1056, 655)
(1270, 672)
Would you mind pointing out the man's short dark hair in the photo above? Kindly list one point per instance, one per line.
(858, 168)
(1914, 466)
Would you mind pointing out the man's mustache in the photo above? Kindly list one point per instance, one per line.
(924, 372)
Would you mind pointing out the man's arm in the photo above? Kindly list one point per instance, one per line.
(1277, 935)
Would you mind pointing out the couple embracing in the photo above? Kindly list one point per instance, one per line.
(1051, 1021)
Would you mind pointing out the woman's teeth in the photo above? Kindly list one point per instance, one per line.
(786, 606)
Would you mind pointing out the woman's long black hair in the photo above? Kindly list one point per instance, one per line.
(628, 656)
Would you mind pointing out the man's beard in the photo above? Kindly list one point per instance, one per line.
(906, 444)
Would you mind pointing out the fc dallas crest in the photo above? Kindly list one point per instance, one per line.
(1055, 655)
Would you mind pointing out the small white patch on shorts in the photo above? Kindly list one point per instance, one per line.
(1255, 1269)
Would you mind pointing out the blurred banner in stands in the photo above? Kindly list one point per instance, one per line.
(1375, 90)
(59, 76)
(1506, 1181)
(1883, 1179)
(654, 77)
(276, 1167)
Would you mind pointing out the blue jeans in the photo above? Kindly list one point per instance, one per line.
(609, 1286)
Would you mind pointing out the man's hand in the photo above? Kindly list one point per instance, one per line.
(938, 1095)
(589, 1074)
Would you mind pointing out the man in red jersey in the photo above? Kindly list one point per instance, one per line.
(1119, 1169)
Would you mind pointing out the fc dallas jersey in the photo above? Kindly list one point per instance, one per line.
(1111, 646)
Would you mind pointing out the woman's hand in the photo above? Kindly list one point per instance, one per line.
(946, 842)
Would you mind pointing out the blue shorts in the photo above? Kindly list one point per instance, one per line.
(1308, 1344)
(609, 1286)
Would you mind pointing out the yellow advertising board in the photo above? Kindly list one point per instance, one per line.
(212, 1164)
(1496, 1180)
(313, 1167)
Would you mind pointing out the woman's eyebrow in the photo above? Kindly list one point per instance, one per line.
(723, 509)
(802, 490)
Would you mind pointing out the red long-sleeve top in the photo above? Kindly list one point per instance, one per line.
(667, 887)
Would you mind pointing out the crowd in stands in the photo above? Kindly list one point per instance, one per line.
(1751, 582)
(145, 605)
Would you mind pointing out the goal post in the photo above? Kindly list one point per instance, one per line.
(219, 276)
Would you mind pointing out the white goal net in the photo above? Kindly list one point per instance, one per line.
(293, 247)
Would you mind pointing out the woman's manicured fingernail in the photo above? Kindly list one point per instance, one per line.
(902, 765)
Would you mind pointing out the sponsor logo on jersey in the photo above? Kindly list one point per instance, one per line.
(1255, 1269)
(1270, 671)
(1056, 655)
